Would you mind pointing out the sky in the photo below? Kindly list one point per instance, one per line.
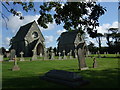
(109, 19)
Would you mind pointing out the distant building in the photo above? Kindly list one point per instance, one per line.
(28, 38)
(69, 41)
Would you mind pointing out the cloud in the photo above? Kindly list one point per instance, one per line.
(60, 31)
(14, 22)
(48, 39)
(6, 41)
(104, 28)
(51, 26)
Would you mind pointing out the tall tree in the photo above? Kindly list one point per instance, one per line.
(114, 43)
(99, 39)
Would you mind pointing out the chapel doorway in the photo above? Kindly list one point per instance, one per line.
(40, 49)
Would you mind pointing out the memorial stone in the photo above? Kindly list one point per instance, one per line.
(12, 54)
(15, 67)
(34, 57)
(64, 56)
(59, 56)
(21, 58)
(65, 77)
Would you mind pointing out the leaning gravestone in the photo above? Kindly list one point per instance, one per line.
(64, 77)
(15, 67)
(12, 54)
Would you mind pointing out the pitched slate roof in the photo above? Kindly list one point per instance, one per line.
(23, 31)
(67, 37)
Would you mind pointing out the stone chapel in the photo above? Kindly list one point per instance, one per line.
(28, 39)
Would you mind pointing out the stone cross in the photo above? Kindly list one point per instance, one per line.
(59, 56)
(64, 56)
(21, 59)
(15, 67)
(52, 55)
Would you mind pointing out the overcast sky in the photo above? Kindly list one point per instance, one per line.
(109, 19)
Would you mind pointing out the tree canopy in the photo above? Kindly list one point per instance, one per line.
(81, 16)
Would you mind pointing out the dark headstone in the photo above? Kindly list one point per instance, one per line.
(94, 63)
(12, 54)
(64, 77)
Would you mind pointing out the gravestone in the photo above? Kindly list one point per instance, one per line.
(12, 54)
(99, 54)
(40, 55)
(64, 56)
(75, 51)
(94, 63)
(81, 56)
(45, 54)
(21, 58)
(59, 57)
(1, 57)
(71, 54)
(52, 55)
(15, 67)
(65, 77)
(34, 57)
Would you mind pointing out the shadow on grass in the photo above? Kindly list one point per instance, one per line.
(28, 82)
(98, 79)
(108, 78)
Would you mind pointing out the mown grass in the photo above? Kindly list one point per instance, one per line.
(104, 76)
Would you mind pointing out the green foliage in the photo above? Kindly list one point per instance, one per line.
(74, 15)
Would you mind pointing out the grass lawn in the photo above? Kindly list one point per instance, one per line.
(104, 76)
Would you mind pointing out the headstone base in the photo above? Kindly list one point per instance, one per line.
(85, 68)
(22, 59)
(34, 57)
(15, 68)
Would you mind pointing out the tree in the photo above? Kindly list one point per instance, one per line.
(99, 39)
(81, 16)
(114, 43)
